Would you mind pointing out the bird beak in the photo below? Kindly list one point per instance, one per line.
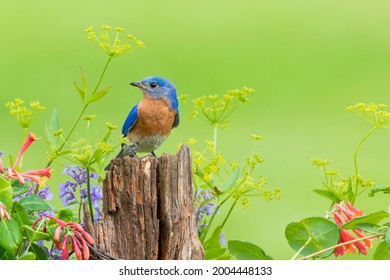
(136, 84)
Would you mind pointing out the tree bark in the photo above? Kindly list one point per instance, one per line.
(148, 210)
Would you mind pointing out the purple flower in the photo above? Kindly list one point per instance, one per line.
(221, 239)
(45, 194)
(67, 193)
(204, 206)
(78, 183)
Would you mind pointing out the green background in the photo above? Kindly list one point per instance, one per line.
(307, 60)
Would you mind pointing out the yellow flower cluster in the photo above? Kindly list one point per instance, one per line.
(319, 162)
(113, 46)
(374, 113)
(22, 114)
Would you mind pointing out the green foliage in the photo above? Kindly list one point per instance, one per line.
(33, 235)
(38, 252)
(34, 203)
(312, 235)
(5, 193)
(19, 214)
(224, 184)
(10, 235)
(382, 252)
(213, 248)
(52, 129)
(370, 219)
(247, 251)
(380, 188)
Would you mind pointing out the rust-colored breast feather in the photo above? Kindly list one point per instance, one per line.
(154, 118)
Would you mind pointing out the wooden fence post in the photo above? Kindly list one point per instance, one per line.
(148, 210)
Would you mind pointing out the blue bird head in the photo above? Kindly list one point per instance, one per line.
(158, 87)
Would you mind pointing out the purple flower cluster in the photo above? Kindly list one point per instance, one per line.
(204, 206)
(68, 190)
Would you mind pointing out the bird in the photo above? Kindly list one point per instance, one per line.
(151, 120)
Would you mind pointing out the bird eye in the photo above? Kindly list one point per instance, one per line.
(153, 84)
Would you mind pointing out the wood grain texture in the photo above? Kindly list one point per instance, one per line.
(148, 210)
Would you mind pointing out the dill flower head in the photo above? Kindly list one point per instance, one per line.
(109, 40)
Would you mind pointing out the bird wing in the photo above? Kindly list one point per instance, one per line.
(177, 120)
(130, 120)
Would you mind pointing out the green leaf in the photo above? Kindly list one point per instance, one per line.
(28, 256)
(382, 251)
(18, 188)
(230, 181)
(371, 228)
(372, 218)
(330, 193)
(247, 251)
(387, 237)
(214, 241)
(38, 252)
(83, 81)
(34, 203)
(7, 255)
(53, 127)
(65, 214)
(19, 214)
(10, 235)
(312, 235)
(5, 193)
(379, 188)
(34, 235)
(99, 94)
(80, 91)
(215, 253)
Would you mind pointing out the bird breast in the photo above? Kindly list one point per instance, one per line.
(153, 125)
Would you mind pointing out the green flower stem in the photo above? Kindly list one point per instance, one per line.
(230, 211)
(340, 245)
(215, 138)
(300, 249)
(102, 75)
(355, 161)
(211, 221)
(70, 132)
(82, 110)
(89, 195)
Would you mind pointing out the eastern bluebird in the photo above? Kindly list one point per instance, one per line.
(152, 119)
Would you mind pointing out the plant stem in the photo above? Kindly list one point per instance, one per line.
(340, 245)
(82, 110)
(70, 132)
(228, 214)
(300, 249)
(102, 75)
(209, 225)
(215, 138)
(355, 161)
(89, 195)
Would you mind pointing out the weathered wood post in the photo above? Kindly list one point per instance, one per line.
(148, 210)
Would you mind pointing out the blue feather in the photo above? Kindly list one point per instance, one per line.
(130, 120)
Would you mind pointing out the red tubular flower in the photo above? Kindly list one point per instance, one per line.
(3, 212)
(1, 165)
(33, 175)
(343, 213)
(74, 235)
(31, 138)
